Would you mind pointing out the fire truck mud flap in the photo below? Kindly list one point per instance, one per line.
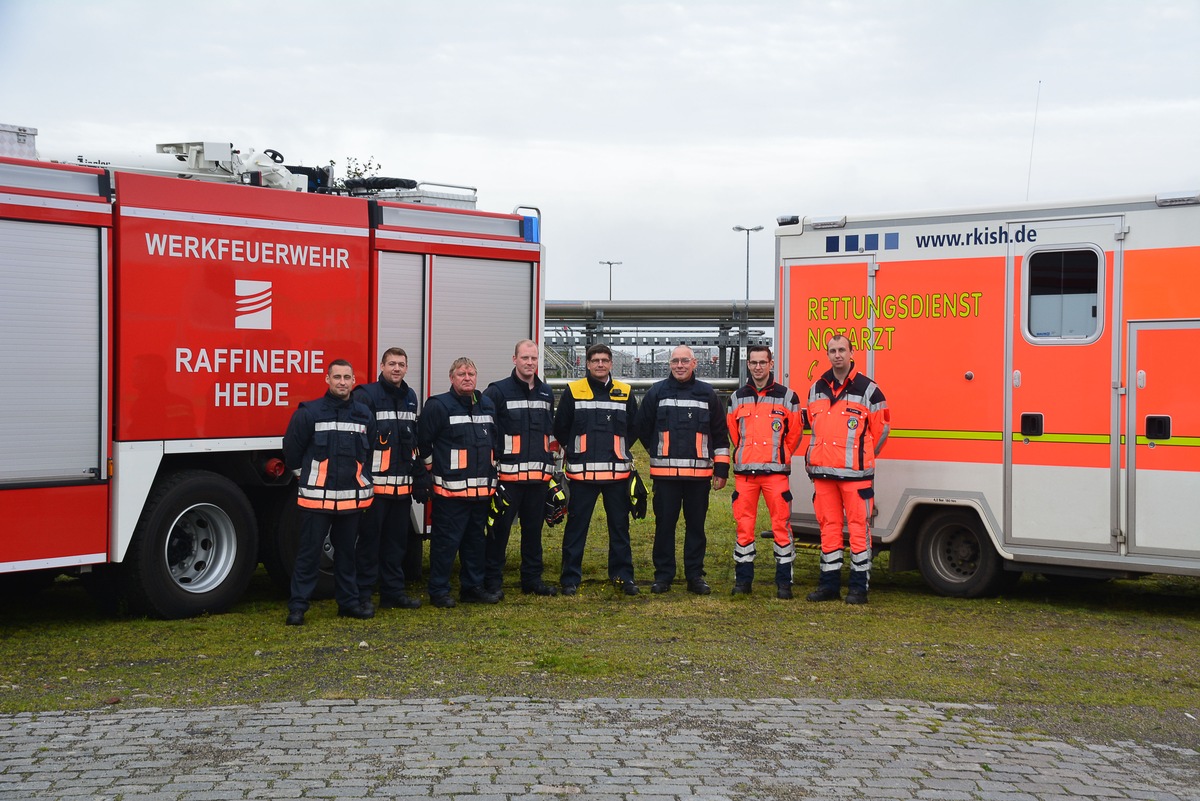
(194, 548)
(956, 557)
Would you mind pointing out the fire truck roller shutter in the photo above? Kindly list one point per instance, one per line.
(956, 557)
(50, 331)
(401, 315)
(194, 548)
(480, 309)
(400, 322)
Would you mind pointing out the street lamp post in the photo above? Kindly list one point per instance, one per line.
(610, 266)
(746, 319)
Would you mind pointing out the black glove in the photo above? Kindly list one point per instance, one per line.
(422, 484)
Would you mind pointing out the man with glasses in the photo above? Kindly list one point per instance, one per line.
(682, 424)
(594, 426)
(765, 428)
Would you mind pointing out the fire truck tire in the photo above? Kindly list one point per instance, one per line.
(956, 557)
(281, 545)
(194, 548)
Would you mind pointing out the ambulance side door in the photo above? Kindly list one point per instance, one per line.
(1163, 446)
(1063, 427)
(815, 302)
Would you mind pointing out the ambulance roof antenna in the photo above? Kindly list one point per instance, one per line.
(1032, 139)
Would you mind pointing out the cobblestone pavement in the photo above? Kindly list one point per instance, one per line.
(506, 749)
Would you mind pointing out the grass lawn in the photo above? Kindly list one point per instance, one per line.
(1109, 660)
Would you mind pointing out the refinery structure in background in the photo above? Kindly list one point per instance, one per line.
(642, 333)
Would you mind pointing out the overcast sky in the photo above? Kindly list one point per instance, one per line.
(643, 130)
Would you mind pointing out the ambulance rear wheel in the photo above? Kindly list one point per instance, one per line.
(194, 549)
(956, 557)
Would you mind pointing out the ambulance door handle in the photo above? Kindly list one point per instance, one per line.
(1158, 427)
(1032, 424)
(1141, 379)
(1016, 378)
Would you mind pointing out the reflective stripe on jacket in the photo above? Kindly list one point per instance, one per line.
(456, 438)
(682, 425)
(850, 424)
(526, 419)
(328, 440)
(595, 430)
(765, 428)
(394, 446)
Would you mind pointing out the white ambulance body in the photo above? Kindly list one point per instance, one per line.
(156, 334)
(1038, 364)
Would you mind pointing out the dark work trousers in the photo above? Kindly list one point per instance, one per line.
(457, 530)
(527, 505)
(382, 545)
(342, 530)
(671, 495)
(579, 517)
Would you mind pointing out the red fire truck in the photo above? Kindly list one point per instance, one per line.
(158, 330)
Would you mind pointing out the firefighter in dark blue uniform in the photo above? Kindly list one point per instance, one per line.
(525, 415)
(386, 532)
(595, 427)
(682, 425)
(327, 445)
(457, 439)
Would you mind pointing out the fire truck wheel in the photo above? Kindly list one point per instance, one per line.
(280, 545)
(194, 548)
(956, 557)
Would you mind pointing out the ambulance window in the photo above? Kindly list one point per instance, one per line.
(1063, 294)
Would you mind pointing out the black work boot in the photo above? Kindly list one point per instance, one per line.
(825, 594)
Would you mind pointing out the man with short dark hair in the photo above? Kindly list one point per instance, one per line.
(850, 421)
(458, 441)
(595, 427)
(327, 446)
(765, 428)
(525, 416)
(682, 425)
(386, 528)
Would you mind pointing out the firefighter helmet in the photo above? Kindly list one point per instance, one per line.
(500, 503)
(637, 496)
(556, 500)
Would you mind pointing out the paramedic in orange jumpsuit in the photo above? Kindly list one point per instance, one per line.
(850, 420)
(765, 428)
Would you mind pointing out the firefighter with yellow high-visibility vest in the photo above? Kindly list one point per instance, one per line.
(594, 425)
